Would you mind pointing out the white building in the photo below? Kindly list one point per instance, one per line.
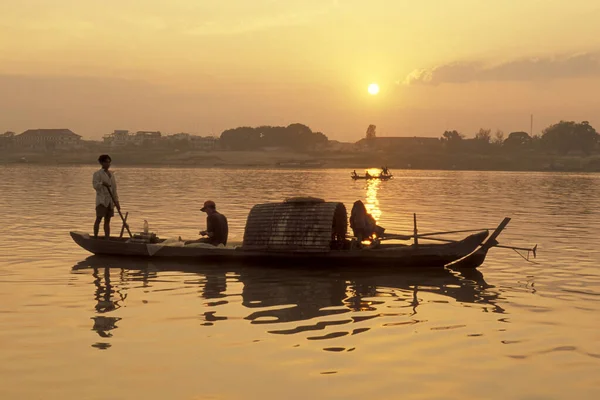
(124, 137)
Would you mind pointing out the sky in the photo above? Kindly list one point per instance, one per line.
(204, 66)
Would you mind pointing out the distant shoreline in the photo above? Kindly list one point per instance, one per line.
(259, 168)
(275, 167)
(316, 160)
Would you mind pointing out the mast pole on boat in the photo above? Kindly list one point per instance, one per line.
(416, 236)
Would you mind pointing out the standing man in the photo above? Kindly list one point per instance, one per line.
(217, 229)
(104, 183)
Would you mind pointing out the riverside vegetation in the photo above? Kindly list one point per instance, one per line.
(564, 146)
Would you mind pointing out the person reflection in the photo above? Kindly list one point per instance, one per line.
(105, 302)
(215, 287)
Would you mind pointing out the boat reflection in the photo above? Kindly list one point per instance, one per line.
(294, 301)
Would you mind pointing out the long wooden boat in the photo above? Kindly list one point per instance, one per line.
(421, 255)
(380, 177)
(302, 232)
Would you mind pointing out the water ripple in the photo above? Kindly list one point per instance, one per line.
(358, 329)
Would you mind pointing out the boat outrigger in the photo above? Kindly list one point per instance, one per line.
(305, 231)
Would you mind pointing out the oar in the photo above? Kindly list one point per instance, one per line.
(121, 215)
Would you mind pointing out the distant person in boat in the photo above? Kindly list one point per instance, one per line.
(104, 183)
(354, 173)
(363, 224)
(367, 175)
(217, 228)
(385, 170)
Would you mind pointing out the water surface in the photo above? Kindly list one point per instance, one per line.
(78, 326)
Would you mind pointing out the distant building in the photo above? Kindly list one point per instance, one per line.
(48, 139)
(121, 137)
(204, 142)
(7, 139)
(146, 137)
(180, 136)
(194, 141)
(336, 146)
(117, 138)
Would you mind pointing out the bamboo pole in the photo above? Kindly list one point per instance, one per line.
(416, 235)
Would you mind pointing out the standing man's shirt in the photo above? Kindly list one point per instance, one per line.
(102, 195)
(217, 224)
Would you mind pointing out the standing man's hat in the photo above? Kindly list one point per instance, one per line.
(208, 203)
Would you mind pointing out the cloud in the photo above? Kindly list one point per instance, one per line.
(224, 28)
(529, 69)
(288, 16)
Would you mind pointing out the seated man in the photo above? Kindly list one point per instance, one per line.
(217, 229)
(363, 224)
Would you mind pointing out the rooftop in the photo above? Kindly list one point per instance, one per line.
(49, 132)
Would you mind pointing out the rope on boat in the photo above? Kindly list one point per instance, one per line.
(525, 258)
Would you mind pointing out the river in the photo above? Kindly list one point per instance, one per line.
(77, 326)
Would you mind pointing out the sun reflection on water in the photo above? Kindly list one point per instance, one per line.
(372, 204)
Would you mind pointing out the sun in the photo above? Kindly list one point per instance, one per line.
(373, 89)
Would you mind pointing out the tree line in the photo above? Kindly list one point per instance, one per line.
(296, 136)
(560, 138)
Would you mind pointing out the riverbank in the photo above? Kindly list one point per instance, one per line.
(290, 159)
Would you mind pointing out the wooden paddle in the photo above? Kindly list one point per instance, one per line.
(119, 210)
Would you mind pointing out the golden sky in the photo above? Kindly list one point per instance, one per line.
(204, 66)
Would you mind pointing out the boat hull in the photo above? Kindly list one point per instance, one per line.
(380, 177)
(422, 255)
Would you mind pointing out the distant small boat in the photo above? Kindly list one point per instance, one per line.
(368, 177)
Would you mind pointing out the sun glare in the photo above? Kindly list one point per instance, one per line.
(373, 89)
